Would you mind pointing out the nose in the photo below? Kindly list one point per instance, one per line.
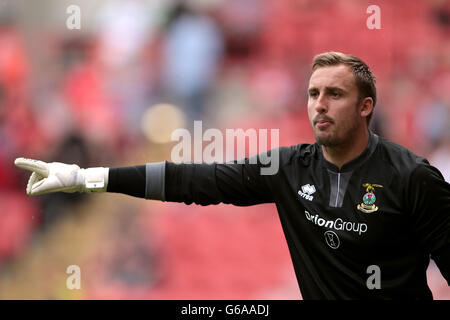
(321, 104)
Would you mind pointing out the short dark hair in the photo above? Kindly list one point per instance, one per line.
(365, 79)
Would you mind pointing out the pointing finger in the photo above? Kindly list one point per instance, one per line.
(40, 167)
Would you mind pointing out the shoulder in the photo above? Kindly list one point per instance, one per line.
(302, 152)
(399, 158)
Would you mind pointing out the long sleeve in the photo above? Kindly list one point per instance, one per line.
(128, 180)
(241, 184)
(429, 201)
(142, 181)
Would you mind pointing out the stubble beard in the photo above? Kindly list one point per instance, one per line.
(335, 140)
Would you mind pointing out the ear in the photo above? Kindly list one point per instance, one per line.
(366, 106)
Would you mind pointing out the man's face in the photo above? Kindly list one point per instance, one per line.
(333, 105)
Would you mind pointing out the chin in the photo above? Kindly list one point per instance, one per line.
(324, 140)
(323, 136)
(327, 140)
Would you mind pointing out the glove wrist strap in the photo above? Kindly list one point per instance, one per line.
(95, 179)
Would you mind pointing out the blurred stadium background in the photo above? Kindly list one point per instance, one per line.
(110, 94)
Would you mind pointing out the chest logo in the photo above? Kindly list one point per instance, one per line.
(307, 191)
(368, 204)
(332, 239)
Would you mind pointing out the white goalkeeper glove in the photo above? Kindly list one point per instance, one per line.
(61, 177)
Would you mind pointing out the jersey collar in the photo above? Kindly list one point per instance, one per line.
(351, 165)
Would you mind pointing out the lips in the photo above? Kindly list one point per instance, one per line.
(323, 122)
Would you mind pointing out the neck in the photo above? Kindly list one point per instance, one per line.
(343, 153)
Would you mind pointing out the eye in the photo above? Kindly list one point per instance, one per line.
(313, 94)
(335, 94)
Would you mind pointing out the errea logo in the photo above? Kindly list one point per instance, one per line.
(307, 191)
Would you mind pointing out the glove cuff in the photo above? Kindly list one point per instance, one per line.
(95, 179)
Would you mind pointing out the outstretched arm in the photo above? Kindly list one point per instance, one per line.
(236, 183)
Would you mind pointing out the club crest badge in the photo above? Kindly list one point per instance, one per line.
(368, 204)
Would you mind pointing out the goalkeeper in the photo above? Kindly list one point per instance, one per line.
(349, 203)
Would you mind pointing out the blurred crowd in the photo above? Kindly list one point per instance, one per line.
(80, 96)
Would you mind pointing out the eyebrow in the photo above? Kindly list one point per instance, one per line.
(328, 89)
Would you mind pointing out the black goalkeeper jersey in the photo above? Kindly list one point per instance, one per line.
(381, 215)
